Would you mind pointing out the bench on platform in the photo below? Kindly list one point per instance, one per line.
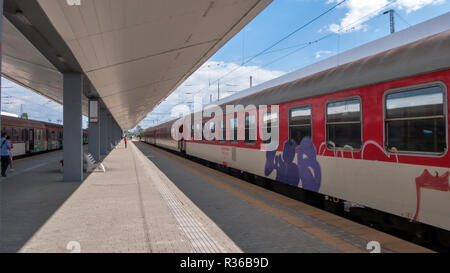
(91, 165)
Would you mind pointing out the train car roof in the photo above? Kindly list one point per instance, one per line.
(23, 122)
(420, 49)
(54, 125)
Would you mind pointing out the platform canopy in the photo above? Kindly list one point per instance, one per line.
(134, 53)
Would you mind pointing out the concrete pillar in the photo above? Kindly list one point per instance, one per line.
(116, 133)
(94, 132)
(108, 132)
(119, 134)
(73, 134)
(103, 131)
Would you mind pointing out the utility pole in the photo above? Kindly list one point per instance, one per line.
(251, 81)
(392, 19)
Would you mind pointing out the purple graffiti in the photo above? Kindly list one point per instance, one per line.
(287, 171)
(307, 170)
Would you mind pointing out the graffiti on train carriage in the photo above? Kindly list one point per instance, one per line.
(307, 170)
(428, 181)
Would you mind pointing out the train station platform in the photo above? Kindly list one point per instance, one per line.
(152, 201)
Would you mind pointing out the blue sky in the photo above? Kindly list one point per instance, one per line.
(16, 98)
(353, 23)
(284, 16)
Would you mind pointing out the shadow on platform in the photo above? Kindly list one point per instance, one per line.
(28, 200)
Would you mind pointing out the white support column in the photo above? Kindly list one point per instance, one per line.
(73, 133)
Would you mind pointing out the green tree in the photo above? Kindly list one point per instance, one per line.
(24, 116)
(138, 131)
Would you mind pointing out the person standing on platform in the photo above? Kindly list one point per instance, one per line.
(126, 140)
(11, 168)
(5, 146)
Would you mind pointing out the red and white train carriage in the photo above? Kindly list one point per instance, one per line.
(373, 131)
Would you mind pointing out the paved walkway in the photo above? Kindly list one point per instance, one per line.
(150, 200)
(133, 207)
(29, 197)
(259, 220)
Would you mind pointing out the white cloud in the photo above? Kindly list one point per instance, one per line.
(36, 106)
(198, 84)
(321, 53)
(360, 11)
(413, 5)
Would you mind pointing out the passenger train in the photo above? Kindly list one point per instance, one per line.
(31, 137)
(370, 134)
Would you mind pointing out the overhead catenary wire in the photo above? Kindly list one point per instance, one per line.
(279, 41)
(401, 18)
(342, 29)
(337, 32)
(302, 46)
(307, 44)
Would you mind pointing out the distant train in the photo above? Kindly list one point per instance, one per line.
(372, 133)
(31, 137)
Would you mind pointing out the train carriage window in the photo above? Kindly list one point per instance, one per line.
(415, 121)
(300, 123)
(269, 121)
(197, 131)
(9, 132)
(24, 135)
(15, 135)
(212, 130)
(223, 130)
(233, 132)
(344, 124)
(192, 131)
(250, 129)
(203, 135)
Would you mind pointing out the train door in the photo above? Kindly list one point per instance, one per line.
(30, 140)
(25, 139)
